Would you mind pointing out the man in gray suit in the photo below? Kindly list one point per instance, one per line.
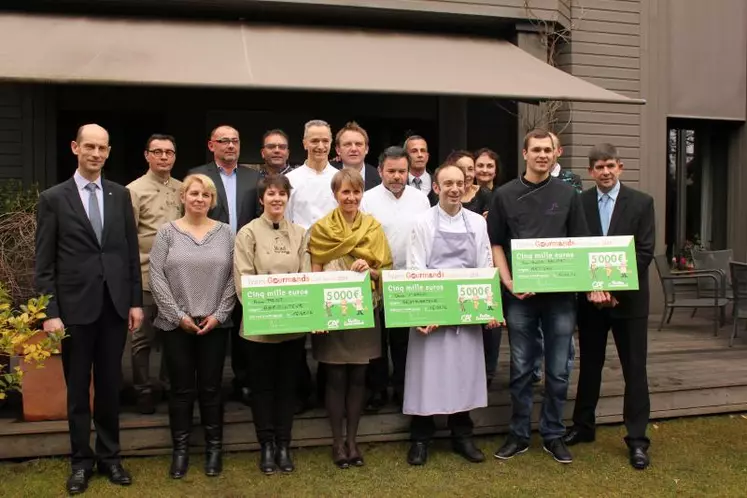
(237, 205)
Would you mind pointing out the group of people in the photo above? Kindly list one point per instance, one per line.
(165, 258)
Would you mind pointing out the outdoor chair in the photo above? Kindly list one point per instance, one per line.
(738, 272)
(713, 260)
(670, 280)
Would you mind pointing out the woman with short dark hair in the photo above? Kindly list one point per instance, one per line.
(271, 244)
(347, 239)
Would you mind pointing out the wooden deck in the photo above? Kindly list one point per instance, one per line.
(691, 372)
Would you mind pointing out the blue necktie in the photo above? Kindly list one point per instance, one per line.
(94, 214)
(605, 212)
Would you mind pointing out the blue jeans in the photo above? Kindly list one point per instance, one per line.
(537, 373)
(555, 314)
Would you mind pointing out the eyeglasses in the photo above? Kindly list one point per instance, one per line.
(276, 146)
(226, 141)
(160, 152)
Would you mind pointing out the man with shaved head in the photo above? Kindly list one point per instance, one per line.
(237, 205)
(87, 260)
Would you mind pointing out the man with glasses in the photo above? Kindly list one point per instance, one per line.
(155, 201)
(275, 153)
(237, 205)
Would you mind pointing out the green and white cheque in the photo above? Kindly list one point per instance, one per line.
(574, 264)
(304, 302)
(415, 298)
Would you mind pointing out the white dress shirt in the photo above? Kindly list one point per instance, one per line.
(555, 171)
(425, 187)
(397, 217)
(421, 237)
(311, 198)
(85, 195)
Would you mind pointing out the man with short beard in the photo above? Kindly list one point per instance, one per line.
(237, 205)
(275, 153)
(396, 206)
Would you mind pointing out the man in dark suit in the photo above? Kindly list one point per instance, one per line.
(612, 208)
(351, 144)
(237, 205)
(87, 259)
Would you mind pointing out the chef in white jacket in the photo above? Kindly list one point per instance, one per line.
(445, 368)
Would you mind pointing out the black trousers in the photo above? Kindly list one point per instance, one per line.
(98, 346)
(631, 342)
(393, 345)
(422, 428)
(239, 352)
(273, 375)
(195, 366)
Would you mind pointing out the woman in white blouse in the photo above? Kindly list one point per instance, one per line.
(191, 270)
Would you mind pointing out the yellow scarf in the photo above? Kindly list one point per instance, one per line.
(332, 238)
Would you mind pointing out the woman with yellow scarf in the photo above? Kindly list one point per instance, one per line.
(347, 239)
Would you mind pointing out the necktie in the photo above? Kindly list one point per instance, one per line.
(417, 182)
(605, 212)
(94, 214)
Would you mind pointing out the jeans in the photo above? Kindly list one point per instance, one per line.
(555, 314)
(537, 373)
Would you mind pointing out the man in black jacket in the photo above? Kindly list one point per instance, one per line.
(87, 259)
(612, 208)
(351, 145)
(237, 205)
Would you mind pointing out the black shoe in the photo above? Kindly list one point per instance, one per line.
(283, 458)
(354, 456)
(267, 458)
(376, 402)
(340, 456)
(512, 447)
(116, 474)
(639, 458)
(179, 464)
(559, 451)
(77, 483)
(146, 405)
(466, 448)
(575, 436)
(418, 453)
(213, 462)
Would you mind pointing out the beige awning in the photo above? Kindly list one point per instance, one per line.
(223, 54)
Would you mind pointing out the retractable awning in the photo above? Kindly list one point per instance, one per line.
(241, 55)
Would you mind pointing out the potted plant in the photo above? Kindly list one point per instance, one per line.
(33, 364)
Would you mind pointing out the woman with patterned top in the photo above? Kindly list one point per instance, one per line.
(346, 239)
(191, 271)
(271, 244)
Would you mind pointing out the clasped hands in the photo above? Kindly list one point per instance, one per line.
(206, 324)
(602, 299)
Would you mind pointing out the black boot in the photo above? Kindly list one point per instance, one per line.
(180, 456)
(283, 458)
(180, 420)
(212, 421)
(267, 458)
